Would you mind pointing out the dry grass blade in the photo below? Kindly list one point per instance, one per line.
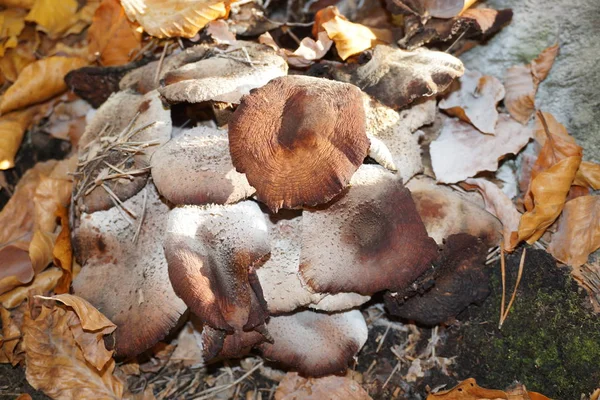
(503, 272)
(514, 294)
(210, 393)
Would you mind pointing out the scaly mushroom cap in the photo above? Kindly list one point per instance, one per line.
(127, 279)
(126, 124)
(462, 279)
(446, 212)
(370, 239)
(211, 252)
(299, 139)
(315, 343)
(279, 278)
(195, 168)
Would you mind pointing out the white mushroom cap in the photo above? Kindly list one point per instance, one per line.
(195, 168)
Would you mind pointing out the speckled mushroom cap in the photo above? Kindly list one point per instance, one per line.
(370, 239)
(299, 139)
(211, 252)
(315, 343)
(195, 168)
(119, 141)
(445, 212)
(124, 277)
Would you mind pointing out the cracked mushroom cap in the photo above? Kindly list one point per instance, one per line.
(211, 252)
(445, 212)
(315, 343)
(279, 277)
(224, 75)
(195, 168)
(368, 240)
(127, 278)
(126, 124)
(299, 139)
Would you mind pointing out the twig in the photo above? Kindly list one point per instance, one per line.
(209, 393)
(387, 329)
(160, 63)
(396, 368)
(503, 270)
(514, 295)
(139, 228)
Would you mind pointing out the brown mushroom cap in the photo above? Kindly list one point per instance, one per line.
(220, 344)
(446, 212)
(211, 252)
(370, 239)
(125, 279)
(299, 139)
(110, 139)
(195, 168)
(315, 343)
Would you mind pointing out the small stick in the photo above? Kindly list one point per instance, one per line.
(514, 295)
(387, 329)
(503, 269)
(139, 228)
(391, 374)
(209, 393)
(160, 62)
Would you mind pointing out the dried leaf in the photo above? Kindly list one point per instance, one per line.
(10, 348)
(189, 348)
(588, 175)
(113, 39)
(549, 191)
(12, 129)
(294, 386)
(578, 232)
(15, 60)
(39, 81)
(475, 101)
(17, 3)
(40, 250)
(499, 205)
(12, 22)
(220, 33)
(56, 362)
(461, 151)
(42, 283)
(67, 121)
(522, 81)
(63, 252)
(307, 52)
(350, 38)
(555, 128)
(468, 390)
(54, 17)
(174, 18)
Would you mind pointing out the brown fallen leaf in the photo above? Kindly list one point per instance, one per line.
(498, 204)
(350, 38)
(12, 22)
(295, 387)
(63, 252)
(10, 348)
(113, 39)
(189, 350)
(307, 52)
(588, 175)
(220, 33)
(12, 128)
(58, 19)
(60, 347)
(578, 232)
(174, 18)
(522, 81)
(67, 120)
(39, 81)
(42, 283)
(461, 151)
(475, 100)
(469, 390)
(16, 59)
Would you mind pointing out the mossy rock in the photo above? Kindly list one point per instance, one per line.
(550, 340)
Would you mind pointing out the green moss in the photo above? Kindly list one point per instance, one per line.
(550, 341)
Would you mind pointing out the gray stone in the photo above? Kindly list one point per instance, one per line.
(571, 92)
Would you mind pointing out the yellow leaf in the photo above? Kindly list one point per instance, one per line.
(578, 233)
(53, 17)
(112, 36)
(13, 22)
(40, 250)
(174, 18)
(63, 252)
(588, 175)
(57, 364)
(39, 81)
(15, 60)
(12, 129)
(17, 3)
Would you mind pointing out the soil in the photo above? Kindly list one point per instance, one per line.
(13, 384)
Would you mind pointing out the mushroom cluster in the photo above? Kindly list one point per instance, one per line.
(274, 229)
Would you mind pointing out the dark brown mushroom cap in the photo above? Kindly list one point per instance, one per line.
(195, 168)
(211, 252)
(127, 280)
(462, 280)
(299, 139)
(121, 136)
(218, 344)
(445, 212)
(315, 343)
(370, 239)
(397, 77)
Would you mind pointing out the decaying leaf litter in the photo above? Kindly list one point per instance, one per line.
(230, 160)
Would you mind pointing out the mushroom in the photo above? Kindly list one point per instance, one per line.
(224, 75)
(299, 139)
(446, 212)
(195, 168)
(124, 270)
(117, 145)
(218, 344)
(461, 279)
(368, 240)
(315, 343)
(211, 252)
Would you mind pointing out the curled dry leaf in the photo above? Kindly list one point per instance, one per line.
(220, 33)
(42, 283)
(39, 81)
(60, 18)
(333, 387)
(461, 151)
(522, 81)
(174, 18)
(112, 37)
(578, 233)
(350, 38)
(15, 60)
(12, 129)
(10, 342)
(475, 100)
(63, 252)
(307, 52)
(588, 175)
(469, 390)
(12, 23)
(61, 353)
